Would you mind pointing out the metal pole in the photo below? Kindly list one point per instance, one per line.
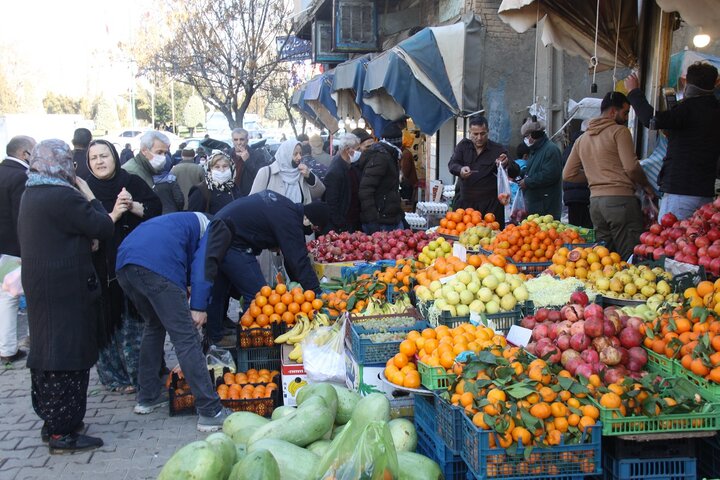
(152, 107)
(172, 101)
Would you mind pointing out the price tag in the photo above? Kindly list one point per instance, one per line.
(460, 251)
(447, 279)
(519, 336)
(475, 318)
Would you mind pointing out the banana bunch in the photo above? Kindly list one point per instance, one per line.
(302, 327)
(378, 307)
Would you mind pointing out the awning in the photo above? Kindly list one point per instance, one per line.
(679, 62)
(318, 96)
(697, 13)
(569, 25)
(348, 93)
(298, 102)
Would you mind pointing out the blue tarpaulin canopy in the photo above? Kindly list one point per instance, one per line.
(318, 96)
(298, 102)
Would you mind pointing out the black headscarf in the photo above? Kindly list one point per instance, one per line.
(107, 190)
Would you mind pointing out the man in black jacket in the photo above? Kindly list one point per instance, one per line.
(687, 177)
(13, 175)
(379, 191)
(248, 161)
(475, 161)
(339, 186)
(81, 139)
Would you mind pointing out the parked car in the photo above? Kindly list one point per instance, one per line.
(132, 136)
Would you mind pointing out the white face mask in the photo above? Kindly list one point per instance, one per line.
(355, 156)
(157, 162)
(527, 141)
(221, 176)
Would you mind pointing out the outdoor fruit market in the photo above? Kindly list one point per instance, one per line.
(523, 353)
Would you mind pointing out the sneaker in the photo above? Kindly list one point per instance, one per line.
(229, 341)
(149, 407)
(19, 355)
(73, 442)
(45, 436)
(213, 424)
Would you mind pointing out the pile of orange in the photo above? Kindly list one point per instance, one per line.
(691, 333)
(402, 275)
(580, 262)
(245, 385)
(279, 305)
(355, 300)
(528, 243)
(457, 221)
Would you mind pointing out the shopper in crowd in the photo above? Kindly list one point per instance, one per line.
(13, 175)
(248, 161)
(130, 201)
(217, 188)
(126, 154)
(188, 173)
(303, 138)
(604, 156)
(320, 155)
(155, 263)
(154, 147)
(288, 176)
(576, 195)
(408, 172)
(364, 137)
(167, 189)
(340, 188)
(522, 152)
(475, 161)
(542, 183)
(59, 217)
(307, 158)
(81, 139)
(687, 177)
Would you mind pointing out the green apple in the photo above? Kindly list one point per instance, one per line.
(473, 286)
(462, 310)
(484, 294)
(502, 289)
(441, 304)
(424, 293)
(498, 273)
(435, 285)
(459, 286)
(438, 294)
(432, 245)
(477, 306)
(492, 307)
(446, 247)
(466, 297)
(515, 282)
(521, 294)
(491, 282)
(484, 271)
(446, 289)
(508, 302)
(452, 298)
(470, 269)
(463, 276)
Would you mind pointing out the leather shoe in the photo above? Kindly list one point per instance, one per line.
(19, 355)
(73, 442)
(45, 436)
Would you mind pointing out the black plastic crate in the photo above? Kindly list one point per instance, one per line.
(708, 455)
(258, 358)
(621, 449)
(671, 468)
(259, 337)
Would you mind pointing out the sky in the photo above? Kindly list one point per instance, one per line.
(69, 47)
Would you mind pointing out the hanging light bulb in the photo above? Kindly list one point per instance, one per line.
(701, 40)
(361, 123)
(353, 124)
(347, 122)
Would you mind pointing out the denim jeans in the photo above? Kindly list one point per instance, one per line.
(164, 306)
(370, 228)
(240, 269)
(682, 206)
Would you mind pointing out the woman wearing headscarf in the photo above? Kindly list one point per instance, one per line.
(219, 187)
(59, 218)
(166, 187)
(122, 327)
(288, 176)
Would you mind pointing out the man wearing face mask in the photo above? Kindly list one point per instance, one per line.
(687, 177)
(542, 184)
(154, 147)
(340, 189)
(604, 157)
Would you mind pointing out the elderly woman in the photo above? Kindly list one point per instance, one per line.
(341, 187)
(288, 176)
(59, 218)
(122, 328)
(219, 187)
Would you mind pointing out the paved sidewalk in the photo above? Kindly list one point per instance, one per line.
(136, 446)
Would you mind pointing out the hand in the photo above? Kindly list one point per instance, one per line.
(649, 192)
(84, 189)
(199, 318)
(522, 184)
(121, 206)
(244, 154)
(125, 196)
(502, 161)
(465, 172)
(304, 170)
(632, 82)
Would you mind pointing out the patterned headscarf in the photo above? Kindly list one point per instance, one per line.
(51, 163)
(215, 157)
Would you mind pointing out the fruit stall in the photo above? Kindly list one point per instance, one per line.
(470, 352)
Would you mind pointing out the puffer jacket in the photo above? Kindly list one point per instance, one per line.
(379, 190)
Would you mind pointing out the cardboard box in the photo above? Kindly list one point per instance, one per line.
(365, 379)
(293, 376)
(329, 270)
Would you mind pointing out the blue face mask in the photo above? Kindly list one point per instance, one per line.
(355, 156)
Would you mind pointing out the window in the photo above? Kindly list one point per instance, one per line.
(355, 26)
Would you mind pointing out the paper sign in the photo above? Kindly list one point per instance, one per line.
(475, 318)
(460, 251)
(519, 336)
(447, 279)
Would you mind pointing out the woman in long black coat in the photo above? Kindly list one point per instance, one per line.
(122, 327)
(59, 217)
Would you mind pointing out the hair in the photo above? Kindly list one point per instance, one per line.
(347, 140)
(19, 144)
(302, 138)
(127, 145)
(305, 148)
(478, 120)
(613, 99)
(240, 131)
(148, 139)
(216, 157)
(81, 138)
(521, 150)
(702, 75)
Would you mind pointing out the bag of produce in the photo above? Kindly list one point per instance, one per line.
(649, 210)
(219, 358)
(324, 353)
(360, 454)
(503, 189)
(518, 211)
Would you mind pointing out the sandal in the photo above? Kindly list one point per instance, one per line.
(126, 389)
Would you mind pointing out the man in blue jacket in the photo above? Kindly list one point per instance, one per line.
(154, 264)
(241, 230)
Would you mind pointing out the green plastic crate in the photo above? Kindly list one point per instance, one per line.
(435, 378)
(663, 363)
(589, 237)
(708, 389)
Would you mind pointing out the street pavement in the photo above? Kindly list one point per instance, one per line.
(136, 446)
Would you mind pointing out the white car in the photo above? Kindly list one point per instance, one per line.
(133, 138)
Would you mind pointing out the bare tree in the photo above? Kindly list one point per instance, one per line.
(279, 91)
(224, 49)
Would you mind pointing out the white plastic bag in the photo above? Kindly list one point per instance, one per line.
(504, 192)
(12, 283)
(219, 358)
(324, 353)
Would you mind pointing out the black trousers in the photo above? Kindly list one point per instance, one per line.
(579, 215)
(60, 398)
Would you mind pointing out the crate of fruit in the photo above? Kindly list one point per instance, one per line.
(707, 388)
(532, 268)
(675, 468)
(564, 461)
(181, 399)
(500, 322)
(372, 343)
(253, 391)
(435, 377)
(258, 358)
(661, 362)
(450, 423)
(259, 336)
(351, 273)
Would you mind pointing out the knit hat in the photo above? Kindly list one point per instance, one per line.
(361, 134)
(392, 134)
(318, 213)
(316, 141)
(531, 125)
(188, 153)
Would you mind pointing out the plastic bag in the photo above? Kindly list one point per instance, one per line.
(518, 212)
(219, 358)
(368, 454)
(504, 191)
(12, 283)
(649, 210)
(324, 353)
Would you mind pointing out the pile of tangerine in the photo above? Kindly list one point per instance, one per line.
(580, 262)
(246, 385)
(459, 220)
(279, 305)
(527, 243)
